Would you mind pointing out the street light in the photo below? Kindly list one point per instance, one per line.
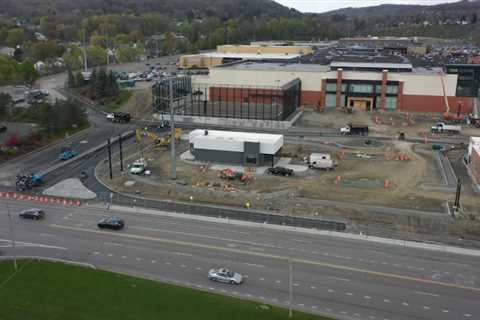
(12, 234)
(290, 287)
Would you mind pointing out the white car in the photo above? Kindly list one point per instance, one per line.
(225, 275)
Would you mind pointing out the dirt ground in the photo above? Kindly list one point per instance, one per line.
(390, 124)
(386, 173)
(140, 103)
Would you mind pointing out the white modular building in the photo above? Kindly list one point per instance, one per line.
(245, 148)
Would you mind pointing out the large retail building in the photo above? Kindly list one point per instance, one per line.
(363, 86)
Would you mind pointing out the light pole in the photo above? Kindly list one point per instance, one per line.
(12, 233)
(290, 287)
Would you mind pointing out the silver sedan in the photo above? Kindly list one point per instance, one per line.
(225, 275)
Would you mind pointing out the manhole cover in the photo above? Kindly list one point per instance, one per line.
(84, 141)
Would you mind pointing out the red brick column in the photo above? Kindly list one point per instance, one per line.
(323, 94)
(384, 89)
(400, 96)
(339, 88)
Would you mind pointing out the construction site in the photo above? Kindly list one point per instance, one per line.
(395, 179)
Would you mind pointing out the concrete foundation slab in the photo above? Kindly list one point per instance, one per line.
(70, 188)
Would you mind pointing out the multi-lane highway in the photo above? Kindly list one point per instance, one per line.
(345, 278)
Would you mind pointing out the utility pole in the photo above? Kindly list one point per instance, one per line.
(290, 287)
(12, 234)
(173, 164)
(85, 51)
(110, 158)
(121, 151)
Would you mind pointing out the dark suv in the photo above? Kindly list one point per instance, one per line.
(280, 171)
(34, 214)
(111, 223)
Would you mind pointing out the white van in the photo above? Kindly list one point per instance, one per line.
(321, 161)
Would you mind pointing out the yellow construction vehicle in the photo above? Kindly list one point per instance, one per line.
(164, 142)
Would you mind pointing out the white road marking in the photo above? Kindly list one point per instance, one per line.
(183, 266)
(199, 269)
(261, 279)
(386, 300)
(139, 259)
(296, 285)
(384, 263)
(47, 235)
(357, 315)
(427, 293)
(183, 254)
(113, 244)
(278, 281)
(313, 287)
(314, 307)
(96, 252)
(261, 298)
(29, 244)
(153, 261)
(254, 265)
(367, 297)
(168, 263)
(349, 294)
(300, 305)
(331, 290)
(405, 304)
(302, 241)
(124, 257)
(340, 279)
(426, 307)
(343, 312)
(328, 309)
(371, 317)
(223, 290)
(468, 315)
(110, 254)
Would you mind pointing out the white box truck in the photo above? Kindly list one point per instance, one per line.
(441, 127)
(321, 161)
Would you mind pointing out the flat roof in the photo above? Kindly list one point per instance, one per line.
(379, 65)
(251, 56)
(237, 136)
(294, 67)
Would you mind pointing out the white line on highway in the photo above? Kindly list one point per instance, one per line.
(313, 288)
(113, 244)
(153, 261)
(386, 300)
(340, 279)
(183, 266)
(349, 294)
(47, 235)
(261, 279)
(124, 257)
(427, 293)
(314, 307)
(110, 254)
(254, 265)
(405, 303)
(468, 315)
(199, 269)
(168, 263)
(302, 241)
(357, 315)
(296, 285)
(426, 307)
(261, 298)
(278, 281)
(445, 311)
(96, 252)
(28, 244)
(328, 309)
(331, 290)
(367, 297)
(139, 259)
(343, 312)
(183, 254)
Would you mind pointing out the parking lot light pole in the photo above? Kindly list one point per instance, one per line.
(12, 234)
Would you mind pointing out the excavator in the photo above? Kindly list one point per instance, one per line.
(160, 142)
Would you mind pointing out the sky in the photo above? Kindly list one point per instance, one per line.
(328, 5)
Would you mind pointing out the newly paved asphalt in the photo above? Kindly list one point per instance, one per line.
(345, 278)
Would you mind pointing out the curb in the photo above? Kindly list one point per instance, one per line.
(39, 258)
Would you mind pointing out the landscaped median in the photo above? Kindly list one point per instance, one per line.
(47, 290)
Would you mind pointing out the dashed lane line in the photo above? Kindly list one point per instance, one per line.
(271, 256)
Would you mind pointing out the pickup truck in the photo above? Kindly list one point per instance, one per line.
(354, 129)
(441, 127)
(122, 117)
(138, 166)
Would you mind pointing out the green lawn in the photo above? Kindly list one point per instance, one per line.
(51, 291)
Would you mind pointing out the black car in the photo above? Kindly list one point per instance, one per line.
(111, 223)
(3, 129)
(34, 214)
(280, 171)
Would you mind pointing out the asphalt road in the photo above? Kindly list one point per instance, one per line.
(344, 278)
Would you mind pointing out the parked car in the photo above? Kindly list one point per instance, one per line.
(280, 171)
(111, 223)
(34, 214)
(3, 129)
(225, 275)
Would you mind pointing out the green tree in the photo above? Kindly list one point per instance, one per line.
(71, 81)
(98, 40)
(122, 39)
(16, 37)
(73, 57)
(46, 50)
(27, 71)
(96, 56)
(79, 79)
